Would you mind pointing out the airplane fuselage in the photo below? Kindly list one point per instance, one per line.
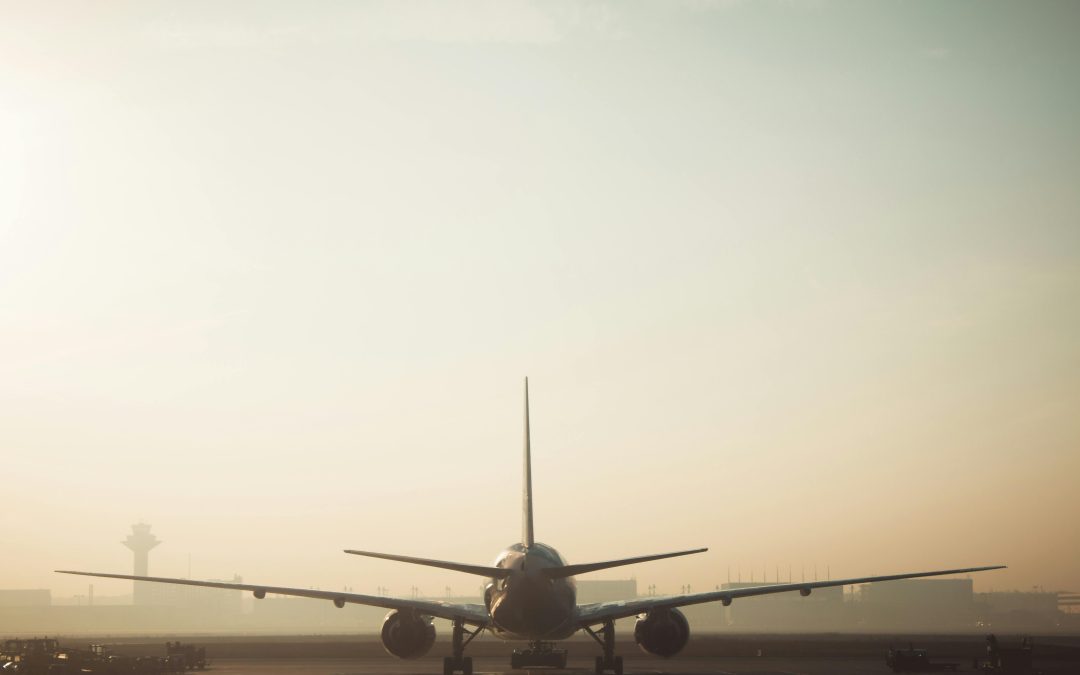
(528, 604)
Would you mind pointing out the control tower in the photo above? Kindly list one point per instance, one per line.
(140, 541)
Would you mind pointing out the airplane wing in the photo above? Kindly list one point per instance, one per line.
(471, 614)
(602, 611)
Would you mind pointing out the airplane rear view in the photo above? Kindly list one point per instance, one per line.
(530, 595)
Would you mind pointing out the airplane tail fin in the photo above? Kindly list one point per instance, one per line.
(526, 506)
(573, 570)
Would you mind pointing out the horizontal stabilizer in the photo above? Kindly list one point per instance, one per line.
(479, 570)
(574, 570)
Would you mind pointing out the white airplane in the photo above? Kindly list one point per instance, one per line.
(531, 596)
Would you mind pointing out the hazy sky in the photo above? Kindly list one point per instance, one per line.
(797, 281)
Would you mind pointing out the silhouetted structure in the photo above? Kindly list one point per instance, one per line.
(141, 541)
(933, 604)
(787, 611)
(605, 590)
(1020, 610)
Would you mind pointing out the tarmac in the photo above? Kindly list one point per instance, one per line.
(826, 654)
(495, 666)
(581, 666)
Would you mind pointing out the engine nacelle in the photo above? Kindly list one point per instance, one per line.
(663, 632)
(407, 635)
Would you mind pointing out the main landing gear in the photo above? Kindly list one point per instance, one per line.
(605, 637)
(538, 655)
(459, 662)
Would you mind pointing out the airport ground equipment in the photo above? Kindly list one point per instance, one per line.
(188, 655)
(1012, 660)
(539, 654)
(106, 663)
(913, 660)
(33, 655)
(45, 656)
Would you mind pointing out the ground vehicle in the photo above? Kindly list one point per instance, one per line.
(187, 655)
(1007, 659)
(913, 660)
(30, 656)
(45, 656)
(548, 657)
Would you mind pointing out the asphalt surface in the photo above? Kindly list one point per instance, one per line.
(705, 655)
(687, 666)
(581, 666)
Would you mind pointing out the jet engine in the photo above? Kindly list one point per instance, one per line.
(407, 635)
(663, 632)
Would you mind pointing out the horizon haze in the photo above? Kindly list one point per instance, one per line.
(794, 281)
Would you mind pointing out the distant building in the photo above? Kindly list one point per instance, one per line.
(290, 614)
(210, 600)
(917, 604)
(1019, 610)
(823, 609)
(605, 590)
(1037, 602)
(141, 542)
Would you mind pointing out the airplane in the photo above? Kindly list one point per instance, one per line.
(530, 595)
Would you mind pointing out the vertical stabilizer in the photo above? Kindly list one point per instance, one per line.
(526, 505)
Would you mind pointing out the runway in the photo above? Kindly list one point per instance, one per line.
(579, 666)
(582, 666)
(706, 655)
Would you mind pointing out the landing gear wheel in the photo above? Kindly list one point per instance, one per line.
(453, 665)
(605, 637)
(459, 662)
